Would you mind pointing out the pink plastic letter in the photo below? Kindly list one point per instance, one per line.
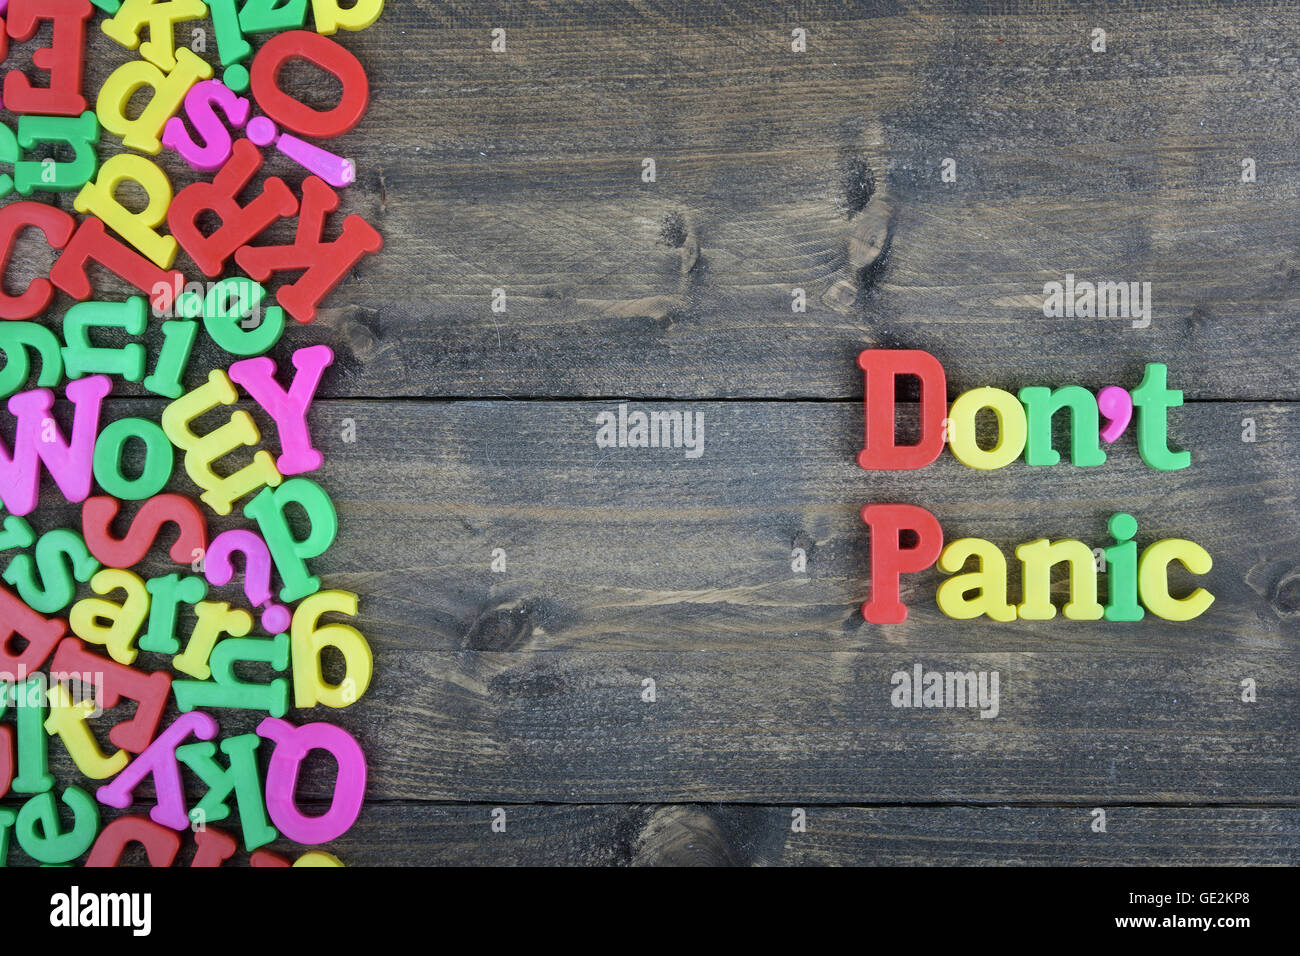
(292, 746)
(200, 105)
(257, 376)
(37, 437)
(160, 761)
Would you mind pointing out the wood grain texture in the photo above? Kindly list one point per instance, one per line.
(764, 726)
(521, 171)
(778, 171)
(778, 726)
(644, 549)
(627, 565)
(730, 835)
(628, 549)
(427, 834)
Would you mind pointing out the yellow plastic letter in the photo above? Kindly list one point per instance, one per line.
(138, 228)
(307, 642)
(1012, 428)
(318, 858)
(125, 619)
(990, 581)
(1037, 558)
(1153, 579)
(160, 18)
(68, 721)
(214, 620)
(220, 494)
(330, 17)
(142, 133)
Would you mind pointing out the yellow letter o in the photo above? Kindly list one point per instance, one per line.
(1012, 428)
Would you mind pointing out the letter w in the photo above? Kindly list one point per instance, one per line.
(37, 438)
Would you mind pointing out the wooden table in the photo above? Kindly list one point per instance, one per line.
(475, 430)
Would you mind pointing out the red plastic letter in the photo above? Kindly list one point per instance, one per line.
(97, 517)
(116, 681)
(160, 844)
(18, 620)
(92, 243)
(57, 226)
(62, 59)
(882, 366)
(214, 847)
(889, 558)
(269, 859)
(326, 262)
(239, 224)
(330, 57)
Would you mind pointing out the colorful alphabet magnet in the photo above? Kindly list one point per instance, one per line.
(188, 589)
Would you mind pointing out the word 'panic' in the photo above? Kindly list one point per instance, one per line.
(1135, 584)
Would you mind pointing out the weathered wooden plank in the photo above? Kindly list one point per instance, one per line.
(522, 170)
(729, 835)
(636, 549)
(645, 564)
(791, 727)
(574, 238)
(774, 726)
(628, 548)
(421, 834)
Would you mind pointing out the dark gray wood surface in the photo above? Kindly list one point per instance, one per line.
(475, 430)
(623, 565)
(739, 835)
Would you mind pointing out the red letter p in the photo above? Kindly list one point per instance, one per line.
(889, 558)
